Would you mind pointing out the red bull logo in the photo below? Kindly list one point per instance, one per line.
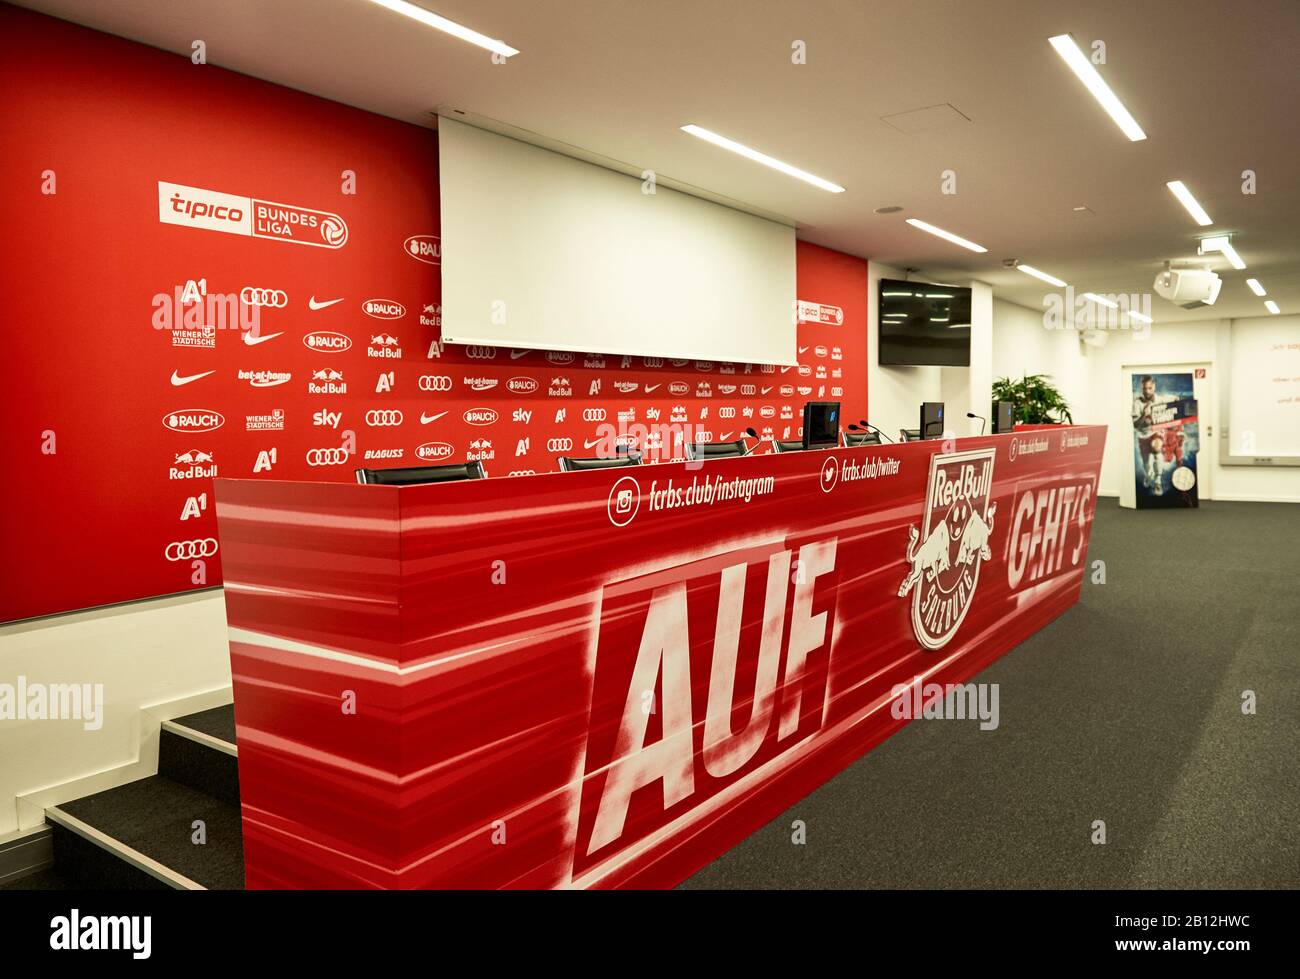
(946, 554)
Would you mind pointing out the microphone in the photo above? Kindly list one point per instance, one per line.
(983, 420)
(870, 427)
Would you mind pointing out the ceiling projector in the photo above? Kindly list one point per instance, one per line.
(1188, 288)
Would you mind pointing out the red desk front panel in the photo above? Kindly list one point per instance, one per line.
(607, 678)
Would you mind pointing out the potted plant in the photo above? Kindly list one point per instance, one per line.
(1037, 400)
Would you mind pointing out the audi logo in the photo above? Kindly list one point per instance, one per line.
(435, 382)
(481, 353)
(327, 457)
(593, 414)
(183, 550)
(275, 298)
(381, 417)
(559, 445)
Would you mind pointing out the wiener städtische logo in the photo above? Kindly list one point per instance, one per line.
(211, 210)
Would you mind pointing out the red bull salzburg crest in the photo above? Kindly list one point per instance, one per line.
(945, 556)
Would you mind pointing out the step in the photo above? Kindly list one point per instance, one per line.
(139, 835)
(199, 750)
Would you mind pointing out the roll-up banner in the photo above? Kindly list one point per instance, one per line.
(1166, 438)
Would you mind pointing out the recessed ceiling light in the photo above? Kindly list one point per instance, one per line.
(946, 235)
(1038, 274)
(1086, 73)
(1271, 307)
(1255, 287)
(1223, 245)
(767, 161)
(1186, 199)
(1101, 299)
(1140, 317)
(430, 19)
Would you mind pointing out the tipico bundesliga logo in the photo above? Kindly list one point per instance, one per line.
(945, 556)
(211, 210)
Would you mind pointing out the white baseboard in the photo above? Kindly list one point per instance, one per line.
(1251, 498)
(148, 728)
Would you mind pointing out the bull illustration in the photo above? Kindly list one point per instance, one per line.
(928, 559)
(975, 538)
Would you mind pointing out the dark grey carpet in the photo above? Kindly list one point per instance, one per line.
(219, 722)
(1125, 709)
(155, 815)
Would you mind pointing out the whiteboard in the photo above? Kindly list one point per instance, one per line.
(544, 251)
(1264, 392)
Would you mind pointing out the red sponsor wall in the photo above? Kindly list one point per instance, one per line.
(206, 274)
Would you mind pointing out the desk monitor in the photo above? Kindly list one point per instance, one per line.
(821, 424)
(1004, 417)
(931, 419)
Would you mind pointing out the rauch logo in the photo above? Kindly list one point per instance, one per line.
(424, 248)
(326, 342)
(481, 416)
(433, 451)
(522, 385)
(383, 309)
(193, 420)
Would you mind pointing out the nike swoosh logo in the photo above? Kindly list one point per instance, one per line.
(784, 369)
(315, 305)
(177, 380)
(253, 341)
(592, 444)
(766, 390)
(516, 354)
(803, 350)
(425, 419)
(649, 388)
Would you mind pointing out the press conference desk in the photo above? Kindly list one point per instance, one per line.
(607, 678)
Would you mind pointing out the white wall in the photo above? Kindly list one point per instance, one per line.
(1022, 345)
(146, 653)
(1090, 379)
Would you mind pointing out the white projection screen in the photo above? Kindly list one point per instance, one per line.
(543, 251)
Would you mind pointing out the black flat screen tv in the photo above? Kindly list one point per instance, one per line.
(922, 324)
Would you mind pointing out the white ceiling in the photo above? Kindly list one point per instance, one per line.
(1215, 85)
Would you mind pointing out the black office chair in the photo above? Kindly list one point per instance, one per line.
(412, 475)
(794, 445)
(860, 438)
(910, 434)
(698, 451)
(569, 464)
